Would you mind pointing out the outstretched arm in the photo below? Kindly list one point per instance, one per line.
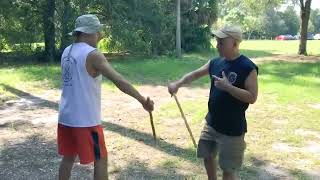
(100, 63)
(173, 87)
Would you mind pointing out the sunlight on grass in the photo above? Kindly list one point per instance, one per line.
(260, 48)
(158, 71)
(279, 47)
(195, 110)
(288, 97)
(286, 92)
(291, 81)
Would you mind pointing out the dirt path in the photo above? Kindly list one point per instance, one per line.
(28, 139)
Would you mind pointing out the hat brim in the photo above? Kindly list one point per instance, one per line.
(87, 30)
(219, 34)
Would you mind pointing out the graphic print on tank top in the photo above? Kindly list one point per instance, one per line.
(232, 77)
(67, 70)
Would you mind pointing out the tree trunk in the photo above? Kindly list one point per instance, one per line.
(65, 23)
(304, 14)
(49, 29)
(249, 35)
(178, 31)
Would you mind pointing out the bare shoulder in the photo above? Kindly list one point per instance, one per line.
(96, 56)
(253, 73)
(252, 80)
(96, 59)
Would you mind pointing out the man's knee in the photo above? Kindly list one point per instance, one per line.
(210, 158)
(68, 159)
(230, 175)
(102, 161)
(206, 149)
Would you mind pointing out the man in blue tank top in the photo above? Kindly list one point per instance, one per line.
(234, 86)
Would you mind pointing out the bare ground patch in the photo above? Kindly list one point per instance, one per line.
(28, 139)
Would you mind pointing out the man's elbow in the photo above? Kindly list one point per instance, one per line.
(253, 100)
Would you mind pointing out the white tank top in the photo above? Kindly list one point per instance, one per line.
(80, 104)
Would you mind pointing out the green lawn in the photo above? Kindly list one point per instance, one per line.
(267, 47)
(288, 92)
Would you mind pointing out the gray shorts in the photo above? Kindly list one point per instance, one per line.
(230, 148)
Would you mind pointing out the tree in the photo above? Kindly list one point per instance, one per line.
(49, 29)
(135, 26)
(178, 30)
(197, 19)
(311, 27)
(67, 23)
(305, 7)
(20, 24)
(315, 20)
(273, 24)
(149, 27)
(291, 20)
(139, 26)
(249, 14)
(250, 25)
(27, 22)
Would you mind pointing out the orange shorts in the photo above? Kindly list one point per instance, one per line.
(85, 142)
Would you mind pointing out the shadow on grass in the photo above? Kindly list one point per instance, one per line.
(139, 170)
(290, 69)
(35, 101)
(161, 70)
(153, 71)
(33, 157)
(263, 169)
(38, 75)
(36, 156)
(286, 73)
(147, 139)
(255, 53)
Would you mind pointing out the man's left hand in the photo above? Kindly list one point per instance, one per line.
(222, 83)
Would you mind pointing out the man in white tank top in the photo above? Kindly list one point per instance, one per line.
(79, 128)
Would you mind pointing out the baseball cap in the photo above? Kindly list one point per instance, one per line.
(228, 31)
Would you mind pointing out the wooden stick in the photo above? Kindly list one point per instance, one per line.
(153, 130)
(185, 121)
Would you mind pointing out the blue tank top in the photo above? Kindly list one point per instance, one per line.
(226, 113)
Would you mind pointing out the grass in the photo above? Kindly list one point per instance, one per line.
(28, 78)
(267, 47)
(287, 93)
(293, 82)
(158, 71)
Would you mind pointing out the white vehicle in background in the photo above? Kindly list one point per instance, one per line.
(317, 36)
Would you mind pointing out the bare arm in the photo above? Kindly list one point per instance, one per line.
(100, 63)
(188, 78)
(248, 94)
